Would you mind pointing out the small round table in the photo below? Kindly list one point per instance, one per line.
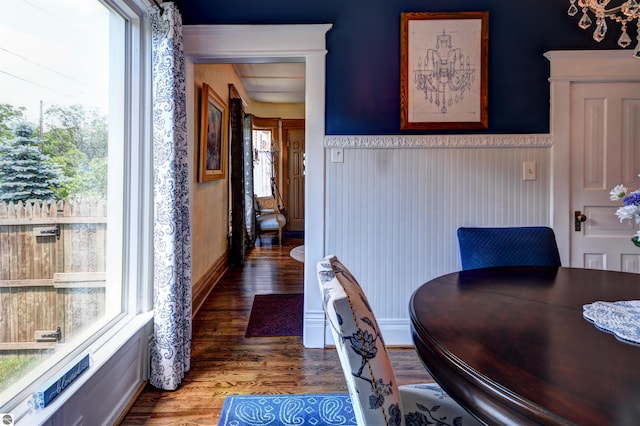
(297, 253)
(511, 345)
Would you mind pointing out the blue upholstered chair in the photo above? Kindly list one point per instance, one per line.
(376, 397)
(517, 246)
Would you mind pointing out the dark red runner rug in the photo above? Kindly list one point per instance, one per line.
(275, 315)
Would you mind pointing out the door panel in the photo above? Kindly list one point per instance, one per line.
(605, 151)
(295, 141)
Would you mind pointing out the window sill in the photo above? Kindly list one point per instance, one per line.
(101, 351)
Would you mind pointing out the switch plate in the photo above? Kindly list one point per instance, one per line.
(337, 155)
(529, 170)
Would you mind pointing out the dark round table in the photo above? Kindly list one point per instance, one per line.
(511, 345)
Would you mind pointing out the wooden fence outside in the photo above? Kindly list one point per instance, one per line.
(52, 271)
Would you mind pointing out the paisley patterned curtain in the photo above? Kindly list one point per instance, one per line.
(250, 215)
(171, 350)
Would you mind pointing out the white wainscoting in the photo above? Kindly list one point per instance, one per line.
(394, 204)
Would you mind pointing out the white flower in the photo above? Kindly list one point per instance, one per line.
(628, 213)
(630, 209)
(618, 193)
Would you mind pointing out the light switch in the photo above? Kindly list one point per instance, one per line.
(529, 170)
(337, 155)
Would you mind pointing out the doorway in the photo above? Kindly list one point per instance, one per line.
(579, 102)
(277, 43)
(294, 167)
(278, 167)
(604, 127)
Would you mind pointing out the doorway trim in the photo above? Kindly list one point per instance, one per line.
(566, 68)
(209, 44)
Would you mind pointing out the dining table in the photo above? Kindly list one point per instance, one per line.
(533, 345)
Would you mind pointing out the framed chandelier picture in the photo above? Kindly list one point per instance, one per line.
(443, 70)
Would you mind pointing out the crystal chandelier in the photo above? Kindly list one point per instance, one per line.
(623, 14)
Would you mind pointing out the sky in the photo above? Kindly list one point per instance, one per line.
(53, 51)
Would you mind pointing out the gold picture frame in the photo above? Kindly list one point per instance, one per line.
(213, 136)
(443, 70)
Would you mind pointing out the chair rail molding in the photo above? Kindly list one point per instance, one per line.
(440, 141)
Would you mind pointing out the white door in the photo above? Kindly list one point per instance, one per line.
(605, 151)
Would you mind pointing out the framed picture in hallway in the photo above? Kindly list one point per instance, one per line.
(443, 70)
(213, 136)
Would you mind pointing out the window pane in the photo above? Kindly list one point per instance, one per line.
(62, 132)
(262, 162)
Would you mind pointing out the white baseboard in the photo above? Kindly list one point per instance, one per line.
(395, 333)
(313, 329)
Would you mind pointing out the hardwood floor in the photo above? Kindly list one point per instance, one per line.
(225, 362)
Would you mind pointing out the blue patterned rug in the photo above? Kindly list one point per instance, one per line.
(299, 410)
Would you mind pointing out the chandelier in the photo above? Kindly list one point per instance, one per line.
(444, 74)
(623, 14)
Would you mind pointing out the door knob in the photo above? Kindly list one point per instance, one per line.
(578, 219)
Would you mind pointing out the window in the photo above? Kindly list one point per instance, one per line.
(71, 91)
(263, 162)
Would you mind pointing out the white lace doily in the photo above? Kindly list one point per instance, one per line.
(622, 319)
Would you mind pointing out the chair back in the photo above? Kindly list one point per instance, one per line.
(364, 358)
(516, 246)
(265, 205)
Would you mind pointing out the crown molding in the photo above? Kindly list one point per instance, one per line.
(253, 43)
(593, 65)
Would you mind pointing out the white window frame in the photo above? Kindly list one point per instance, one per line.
(135, 221)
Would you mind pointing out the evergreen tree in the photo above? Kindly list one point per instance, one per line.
(9, 116)
(25, 172)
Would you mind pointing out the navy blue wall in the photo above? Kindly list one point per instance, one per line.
(363, 60)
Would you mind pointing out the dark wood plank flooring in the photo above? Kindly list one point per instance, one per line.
(225, 362)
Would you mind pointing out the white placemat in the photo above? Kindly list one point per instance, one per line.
(622, 318)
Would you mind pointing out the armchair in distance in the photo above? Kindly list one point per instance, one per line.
(269, 218)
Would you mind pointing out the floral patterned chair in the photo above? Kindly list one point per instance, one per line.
(376, 397)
